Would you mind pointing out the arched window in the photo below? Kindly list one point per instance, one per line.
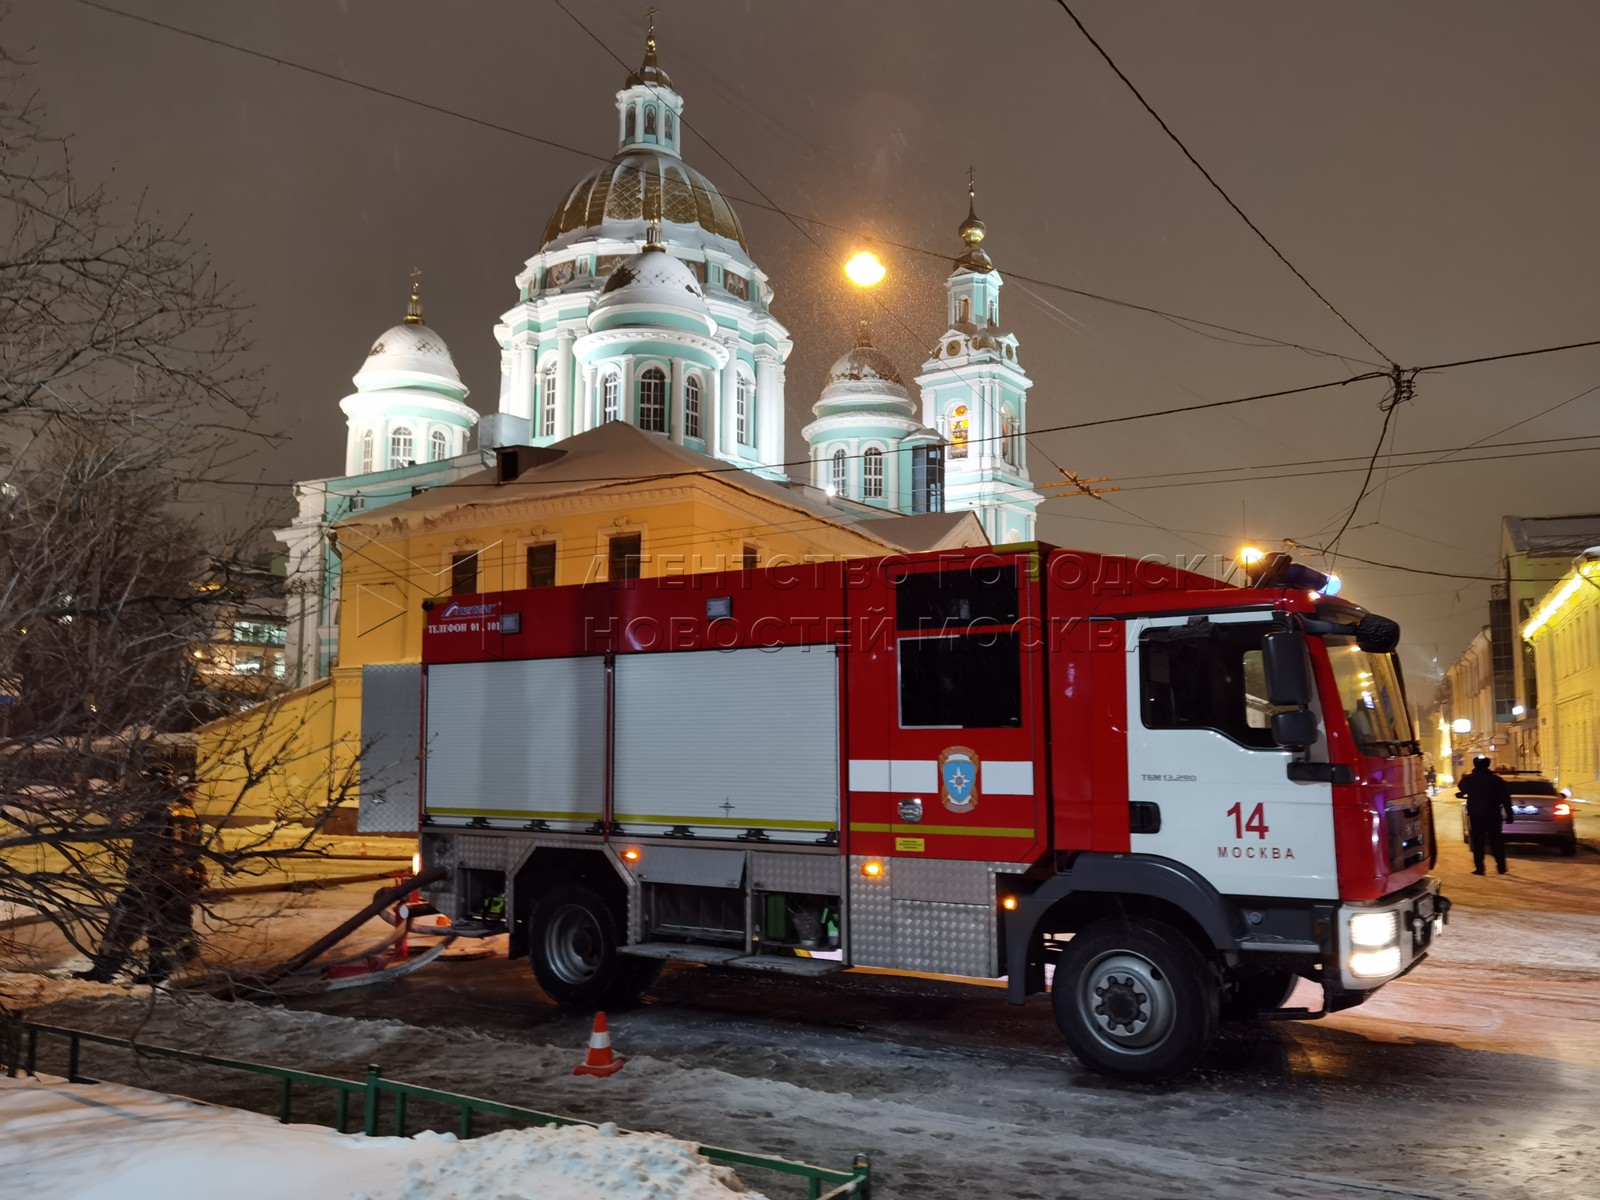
(653, 401)
(836, 479)
(666, 123)
(400, 447)
(366, 452)
(627, 124)
(742, 425)
(963, 310)
(611, 404)
(650, 120)
(872, 474)
(691, 407)
(958, 431)
(547, 406)
(438, 446)
(1008, 438)
(994, 312)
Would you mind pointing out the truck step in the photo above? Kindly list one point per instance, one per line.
(809, 967)
(682, 953)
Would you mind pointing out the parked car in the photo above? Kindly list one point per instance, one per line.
(1543, 813)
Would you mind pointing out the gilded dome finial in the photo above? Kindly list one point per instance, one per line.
(650, 71)
(414, 308)
(972, 229)
(652, 231)
(650, 37)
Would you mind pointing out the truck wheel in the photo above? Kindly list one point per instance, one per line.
(1251, 995)
(573, 947)
(1134, 999)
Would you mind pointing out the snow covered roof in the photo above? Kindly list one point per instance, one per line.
(407, 349)
(1554, 537)
(656, 279)
(615, 198)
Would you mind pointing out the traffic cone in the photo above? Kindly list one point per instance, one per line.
(599, 1060)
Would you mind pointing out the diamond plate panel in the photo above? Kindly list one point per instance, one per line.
(943, 879)
(869, 921)
(777, 872)
(953, 939)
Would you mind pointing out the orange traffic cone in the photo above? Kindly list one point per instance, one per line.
(599, 1060)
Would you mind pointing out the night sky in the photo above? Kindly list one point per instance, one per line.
(1430, 167)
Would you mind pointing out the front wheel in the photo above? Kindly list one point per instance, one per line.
(1135, 999)
(574, 947)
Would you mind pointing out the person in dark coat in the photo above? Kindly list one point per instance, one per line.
(1488, 799)
(165, 875)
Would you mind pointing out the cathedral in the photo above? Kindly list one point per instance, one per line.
(643, 305)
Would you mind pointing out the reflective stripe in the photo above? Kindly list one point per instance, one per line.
(996, 778)
(526, 814)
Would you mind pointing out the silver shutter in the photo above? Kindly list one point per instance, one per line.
(391, 718)
(517, 740)
(724, 742)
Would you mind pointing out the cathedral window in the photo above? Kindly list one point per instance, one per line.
(741, 412)
(627, 124)
(611, 403)
(963, 310)
(836, 479)
(1008, 438)
(438, 446)
(872, 474)
(691, 408)
(650, 120)
(653, 401)
(994, 312)
(547, 407)
(366, 452)
(959, 426)
(666, 124)
(400, 447)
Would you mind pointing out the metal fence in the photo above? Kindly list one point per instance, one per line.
(382, 1103)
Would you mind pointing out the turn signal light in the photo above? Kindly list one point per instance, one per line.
(630, 855)
(872, 868)
(1563, 809)
(1009, 903)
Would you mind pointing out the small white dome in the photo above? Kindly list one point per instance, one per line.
(656, 278)
(864, 379)
(411, 348)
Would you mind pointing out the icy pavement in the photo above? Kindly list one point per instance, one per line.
(107, 1142)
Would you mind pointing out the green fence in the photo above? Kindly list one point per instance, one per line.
(382, 1102)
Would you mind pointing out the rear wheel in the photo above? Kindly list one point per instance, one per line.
(1135, 999)
(1251, 995)
(574, 946)
(1570, 846)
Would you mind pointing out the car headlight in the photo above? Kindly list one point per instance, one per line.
(1375, 930)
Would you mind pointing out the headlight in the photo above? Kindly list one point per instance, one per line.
(1375, 929)
(1370, 964)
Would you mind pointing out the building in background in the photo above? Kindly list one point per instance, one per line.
(1564, 634)
(1465, 711)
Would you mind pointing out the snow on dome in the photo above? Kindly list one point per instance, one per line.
(867, 364)
(616, 197)
(656, 278)
(410, 348)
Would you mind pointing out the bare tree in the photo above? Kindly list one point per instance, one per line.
(124, 384)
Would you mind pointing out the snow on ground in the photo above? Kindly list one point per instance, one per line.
(107, 1142)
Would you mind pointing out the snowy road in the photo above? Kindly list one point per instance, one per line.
(1479, 1075)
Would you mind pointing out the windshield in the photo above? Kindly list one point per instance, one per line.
(1370, 692)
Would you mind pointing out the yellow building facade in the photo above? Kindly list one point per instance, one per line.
(1565, 634)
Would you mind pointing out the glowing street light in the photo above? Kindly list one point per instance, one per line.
(1461, 725)
(864, 270)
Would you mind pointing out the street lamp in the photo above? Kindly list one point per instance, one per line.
(1461, 725)
(865, 270)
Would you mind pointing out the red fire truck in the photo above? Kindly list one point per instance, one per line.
(1165, 798)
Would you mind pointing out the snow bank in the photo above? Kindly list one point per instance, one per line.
(107, 1142)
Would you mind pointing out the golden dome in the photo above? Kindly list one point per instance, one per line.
(638, 184)
(972, 232)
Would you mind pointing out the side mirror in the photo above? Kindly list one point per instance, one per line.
(1283, 659)
(1296, 729)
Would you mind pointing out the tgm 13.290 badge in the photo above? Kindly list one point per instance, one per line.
(958, 779)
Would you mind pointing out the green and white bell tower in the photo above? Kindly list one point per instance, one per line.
(975, 393)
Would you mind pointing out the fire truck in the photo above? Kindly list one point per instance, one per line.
(1159, 797)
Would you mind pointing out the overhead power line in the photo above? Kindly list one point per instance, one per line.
(1177, 141)
(1182, 319)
